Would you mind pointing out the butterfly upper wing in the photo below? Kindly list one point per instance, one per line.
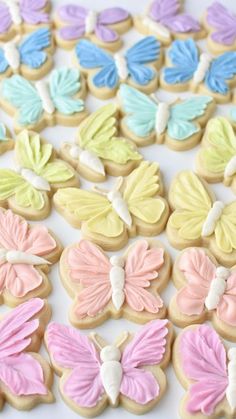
(225, 308)
(146, 348)
(225, 231)
(140, 109)
(31, 153)
(3, 62)
(222, 69)
(143, 52)
(70, 349)
(32, 11)
(180, 126)
(184, 59)
(22, 95)
(140, 189)
(32, 51)
(223, 23)
(192, 204)
(203, 360)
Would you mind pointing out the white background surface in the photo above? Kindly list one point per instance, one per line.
(170, 163)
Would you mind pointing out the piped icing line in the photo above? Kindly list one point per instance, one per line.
(117, 279)
(43, 91)
(217, 287)
(162, 117)
(202, 68)
(18, 257)
(12, 54)
(156, 27)
(230, 168)
(90, 22)
(121, 65)
(213, 216)
(231, 389)
(87, 158)
(35, 180)
(14, 10)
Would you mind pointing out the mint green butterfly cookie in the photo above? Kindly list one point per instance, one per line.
(147, 120)
(35, 106)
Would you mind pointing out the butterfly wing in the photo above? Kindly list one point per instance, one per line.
(146, 348)
(203, 360)
(191, 202)
(64, 84)
(180, 126)
(22, 95)
(222, 69)
(32, 11)
(143, 52)
(140, 109)
(71, 350)
(3, 62)
(184, 59)
(225, 310)
(167, 13)
(223, 22)
(6, 21)
(74, 16)
(225, 231)
(106, 17)
(32, 51)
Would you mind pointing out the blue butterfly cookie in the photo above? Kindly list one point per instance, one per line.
(137, 66)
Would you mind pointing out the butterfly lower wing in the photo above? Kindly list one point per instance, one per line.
(57, 171)
(28, 197)
(92, 300)
(139, 385)
(223, 23)
(225, 231)
(11, 181)
(64, 84)
(32, 49)
(225, 308)
(139, 299)
(182, 23)
(222, 70)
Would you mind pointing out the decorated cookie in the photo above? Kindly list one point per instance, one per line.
(221, 25)
(6, 140)
(199, 220)
(147, 120)
(206, 291)
(30, 57)
(103, 28)
(206, 369)
(26, 254)
(98, 148)
(189, 68)
(39, 174)
(109, 217)
(95, 374)
(26, 377)
(137, 66)
(216, 160)
(104, 287)
(164, 19)
(36, 106)
(19, 16)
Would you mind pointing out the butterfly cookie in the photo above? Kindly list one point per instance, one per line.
(30, 57)
(165, 20)
(124, 373)
(216, 160)
(103, 28)
(109, 217)
(206, 291)
(39, 174)
(98, 150)
(45, 103)
(6, 140)
(147, 120)
(120, 286)
(105, 72)
(25, 377)
(189, 68)
(206, 369)
(220, 23)
(20, 16)
(198, 220)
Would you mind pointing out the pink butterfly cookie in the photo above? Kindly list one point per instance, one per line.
(95, 374)
(205, 291)
(206, 369)
(104, 287)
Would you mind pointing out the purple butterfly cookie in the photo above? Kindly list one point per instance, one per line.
(222, 25)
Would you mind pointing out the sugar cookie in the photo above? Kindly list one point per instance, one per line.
(103, 28)
(39, 174)
(199, 220)
(124, 373)
(147, 120)
(137, 66)
(109, 217)
(6, 140)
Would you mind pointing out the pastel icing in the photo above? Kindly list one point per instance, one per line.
(223, 22)
(3, 132)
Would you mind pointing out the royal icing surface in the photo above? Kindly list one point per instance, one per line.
(223, 24)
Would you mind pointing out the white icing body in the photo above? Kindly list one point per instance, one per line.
(14, 10)
(111, 371)
(217, 288)
(16, 256)
(90, 22)
(162, 117)
(202, 68)
(231, 389)
(12, 55)
(117, 279)
(212, 218)
(120, 206)
(36, 181)
(230, 169)
(43, 91)
(87, 158)
(121, 66)
(157, 28)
